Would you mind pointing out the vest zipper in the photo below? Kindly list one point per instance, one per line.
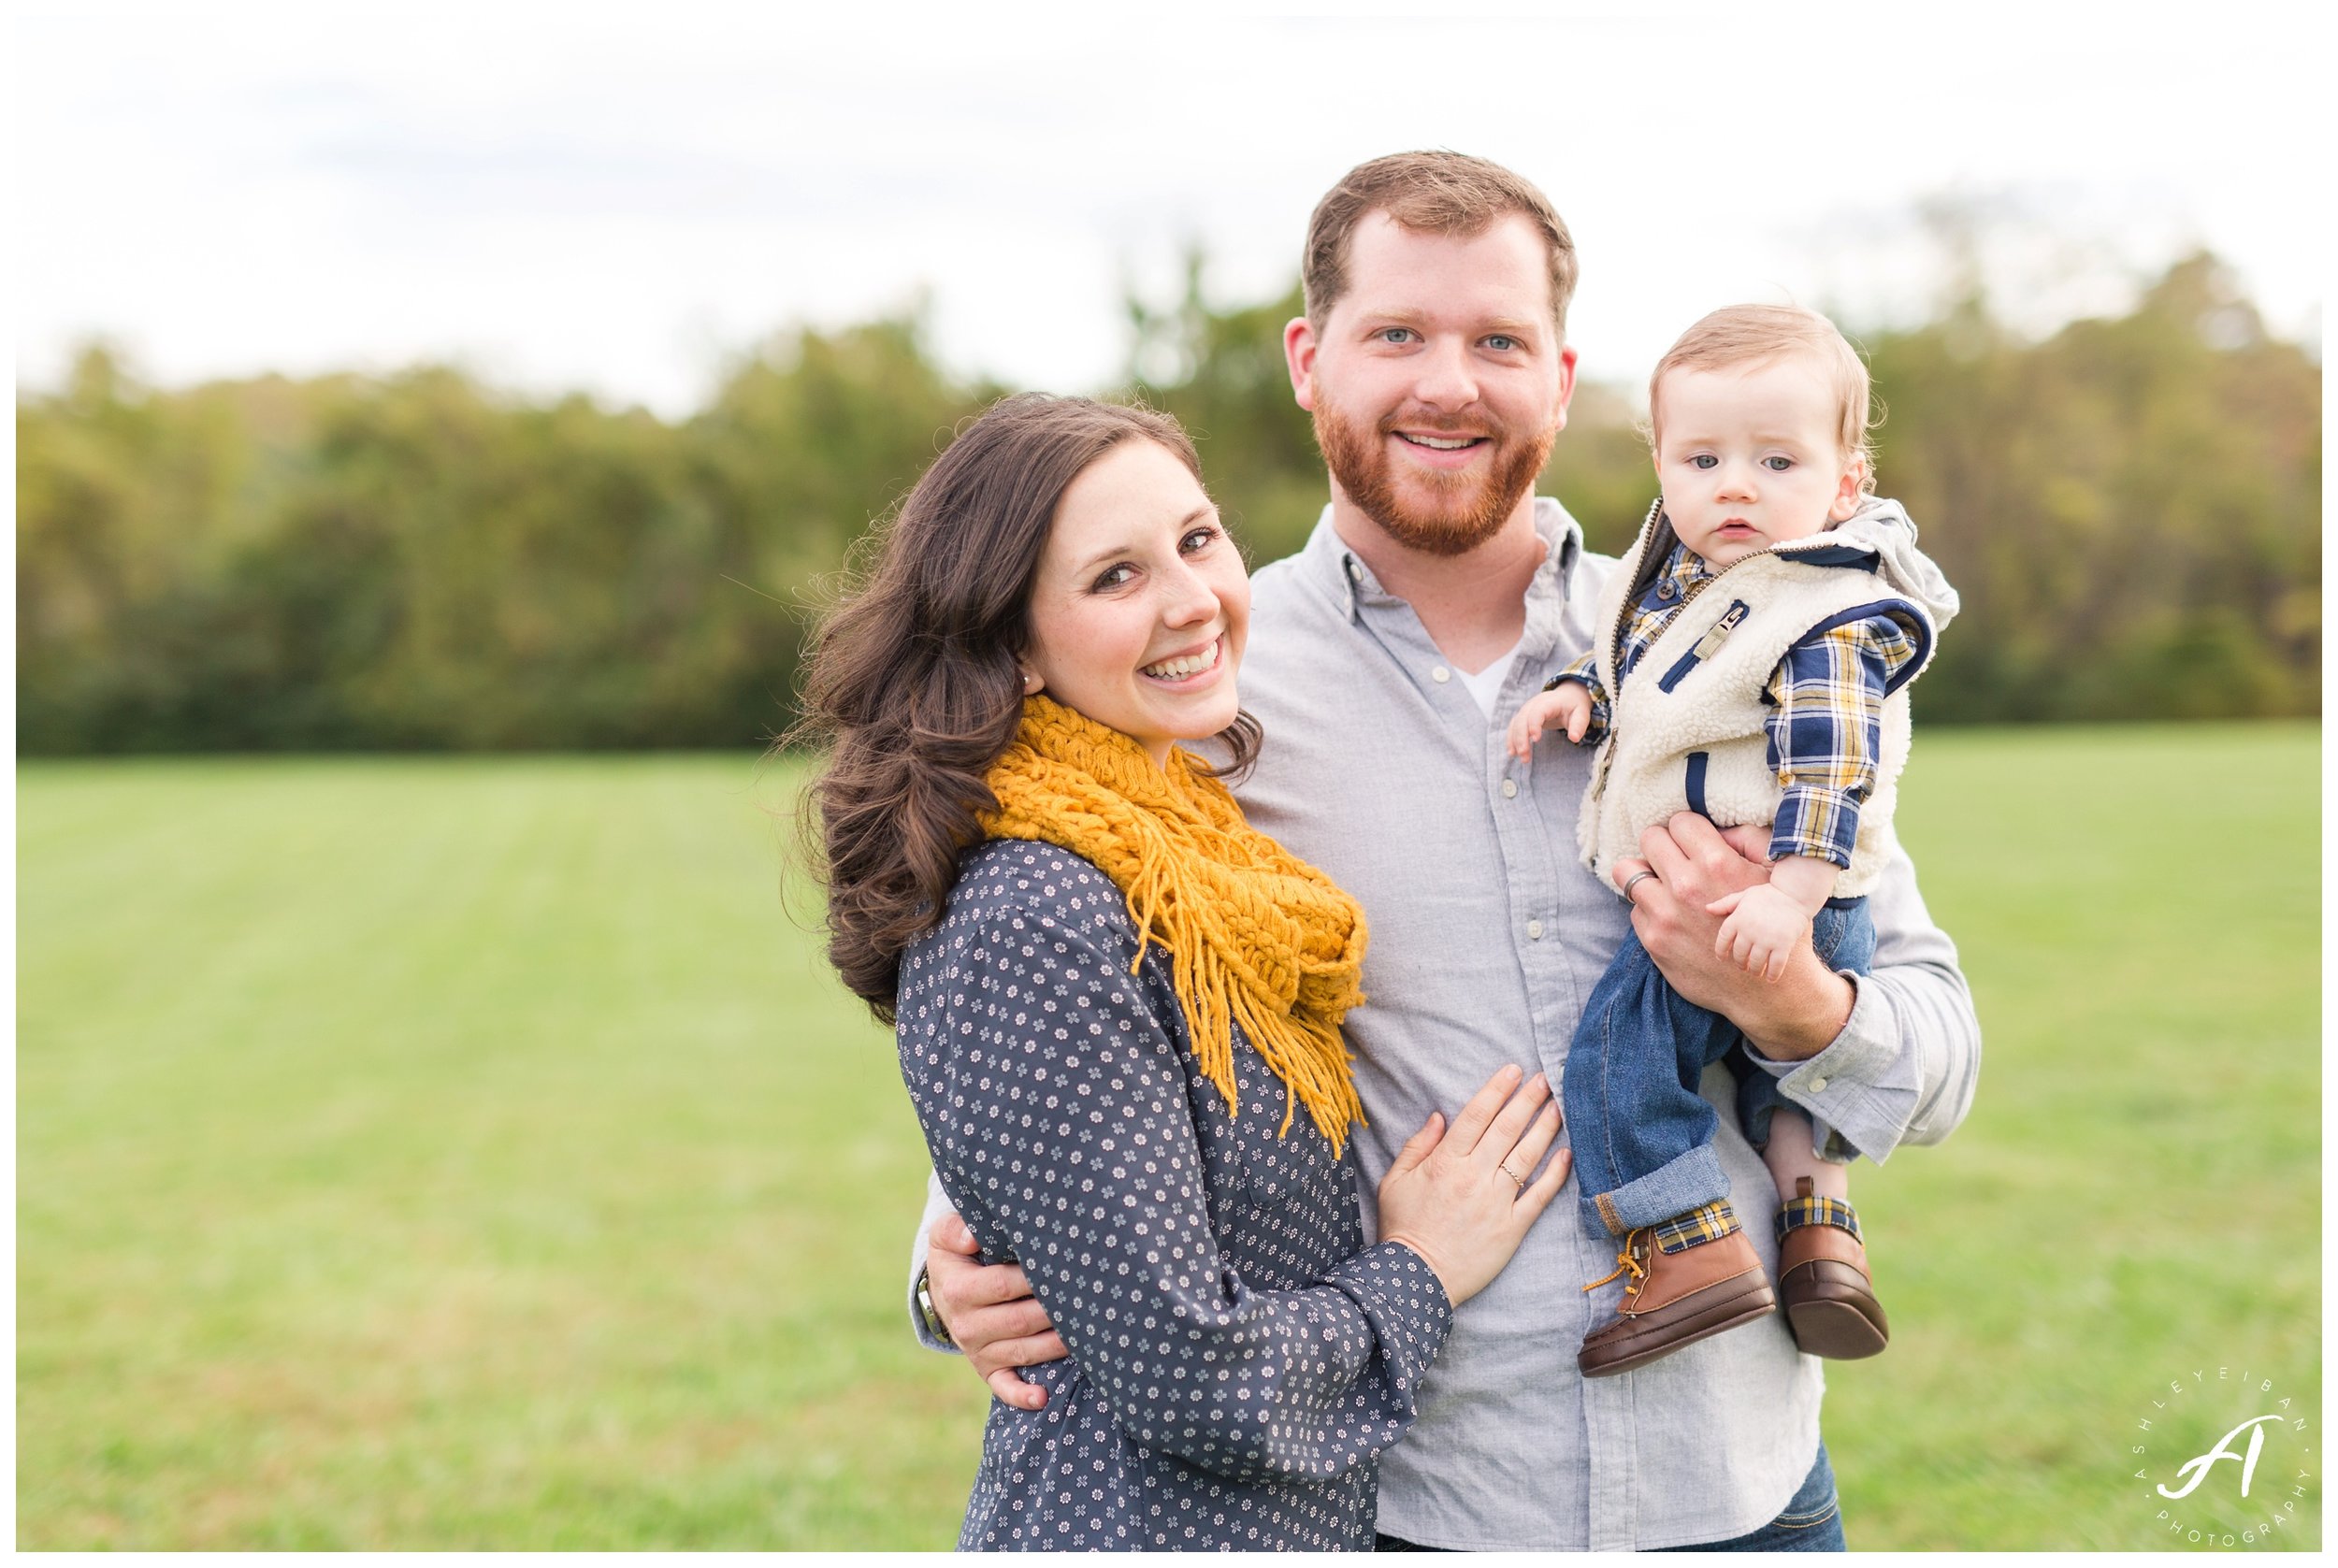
(1705, 646)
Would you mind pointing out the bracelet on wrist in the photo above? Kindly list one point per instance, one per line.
(926, 1311)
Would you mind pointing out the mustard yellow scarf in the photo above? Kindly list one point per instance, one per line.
(1256, 936)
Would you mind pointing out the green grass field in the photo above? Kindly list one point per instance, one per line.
(474, 1153)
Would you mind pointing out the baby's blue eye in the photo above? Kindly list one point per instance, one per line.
(1777, 465)
(1705, 460)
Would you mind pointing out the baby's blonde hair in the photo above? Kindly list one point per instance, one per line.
(1757, 334)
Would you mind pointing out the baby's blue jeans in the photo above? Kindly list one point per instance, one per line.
(1642, 1134)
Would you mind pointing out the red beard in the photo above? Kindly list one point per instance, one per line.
(1474, 507)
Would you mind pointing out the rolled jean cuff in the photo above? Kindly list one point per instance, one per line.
(1689, 1182)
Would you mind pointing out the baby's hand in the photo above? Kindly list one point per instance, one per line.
(1570, 702)
(1761, 931)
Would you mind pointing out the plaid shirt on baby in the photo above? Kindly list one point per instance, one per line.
(1827, 702)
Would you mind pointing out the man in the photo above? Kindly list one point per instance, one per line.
(1435, 595)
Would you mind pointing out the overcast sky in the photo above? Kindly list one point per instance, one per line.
(617, 199)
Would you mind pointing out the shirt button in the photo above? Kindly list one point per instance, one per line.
(1818, 1085)
(1510, 789)
(1440, 675)
(1533, 930)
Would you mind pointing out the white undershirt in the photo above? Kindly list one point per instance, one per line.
(1486, 685)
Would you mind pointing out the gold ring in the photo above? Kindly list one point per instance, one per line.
(1515, 1178)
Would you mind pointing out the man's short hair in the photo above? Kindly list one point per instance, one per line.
(1749, 335)
(1435, 193)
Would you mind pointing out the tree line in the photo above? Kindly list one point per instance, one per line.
(2130, 507)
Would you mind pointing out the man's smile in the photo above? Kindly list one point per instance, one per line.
(1443, 449)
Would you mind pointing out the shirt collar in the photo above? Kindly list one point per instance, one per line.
(1684, 568)
(1342, 572)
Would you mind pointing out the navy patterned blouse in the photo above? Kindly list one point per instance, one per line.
(1239, 1357)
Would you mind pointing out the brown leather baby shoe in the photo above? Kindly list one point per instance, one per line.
(1675, 1299)
(1822, 1280)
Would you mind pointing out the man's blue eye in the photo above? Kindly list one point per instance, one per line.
(1501, 343)
(1395, 334)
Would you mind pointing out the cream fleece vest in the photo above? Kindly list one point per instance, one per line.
(1688, 731)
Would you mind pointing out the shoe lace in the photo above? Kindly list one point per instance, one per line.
(1627, 1261)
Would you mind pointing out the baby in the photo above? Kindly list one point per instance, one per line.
(1752, 657)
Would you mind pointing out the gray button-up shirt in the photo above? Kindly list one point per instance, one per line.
(1487, 937)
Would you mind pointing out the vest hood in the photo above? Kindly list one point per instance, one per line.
(1881, 537)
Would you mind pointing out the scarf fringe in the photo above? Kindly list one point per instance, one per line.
(1256, 938)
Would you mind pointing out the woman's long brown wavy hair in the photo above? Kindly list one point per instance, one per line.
(914, 683)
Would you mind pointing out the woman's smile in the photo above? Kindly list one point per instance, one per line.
(1184, 670)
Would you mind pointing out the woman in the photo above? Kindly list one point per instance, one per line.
(1117, 1007)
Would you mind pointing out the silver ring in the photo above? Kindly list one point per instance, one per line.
(1633, 881)
(1513, 1175)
